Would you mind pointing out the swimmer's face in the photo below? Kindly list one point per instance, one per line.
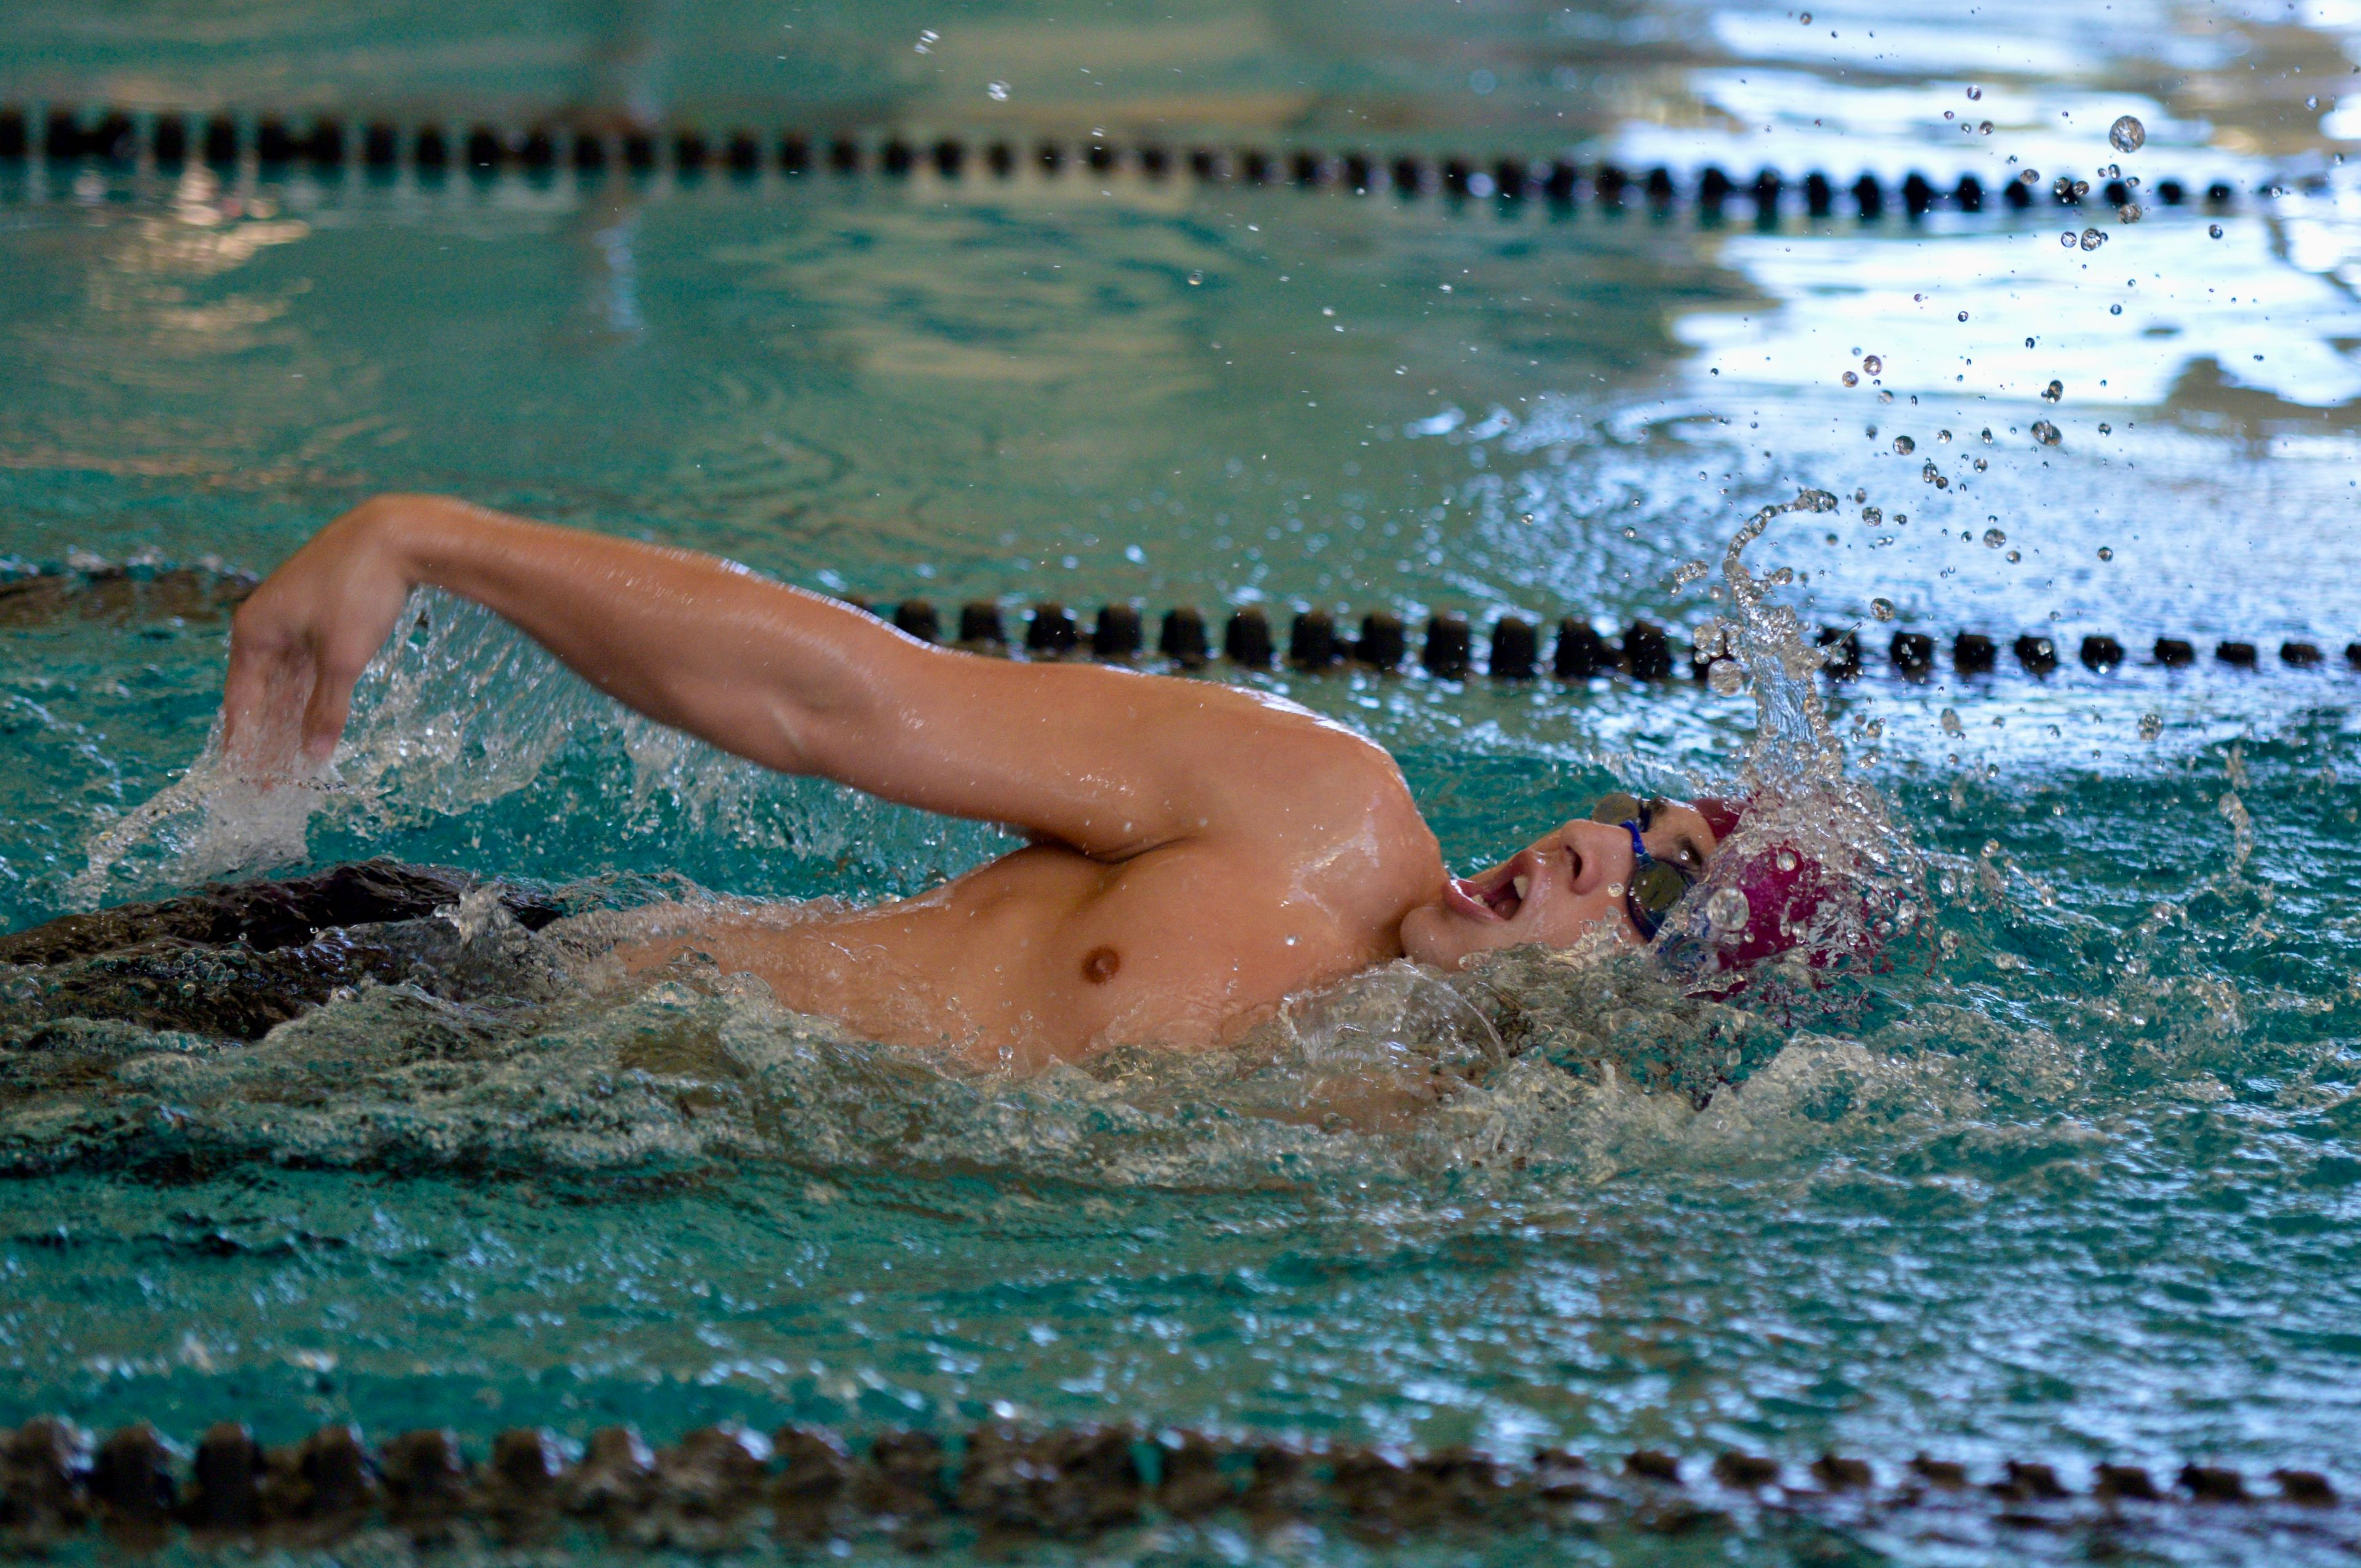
(1554, 890)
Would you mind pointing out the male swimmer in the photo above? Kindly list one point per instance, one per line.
(1198, 853)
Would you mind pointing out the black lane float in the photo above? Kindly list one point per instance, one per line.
(1514, 648)
(278, 143)
(722, 1486)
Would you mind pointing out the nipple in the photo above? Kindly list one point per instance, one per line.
(1100, 964)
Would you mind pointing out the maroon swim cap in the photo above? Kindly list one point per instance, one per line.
(1783, 886)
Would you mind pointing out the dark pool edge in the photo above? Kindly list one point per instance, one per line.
(723, 1484)
(276, 142)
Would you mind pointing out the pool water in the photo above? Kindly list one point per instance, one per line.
(2084, 1189)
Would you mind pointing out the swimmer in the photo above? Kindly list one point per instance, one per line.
(1198, 853)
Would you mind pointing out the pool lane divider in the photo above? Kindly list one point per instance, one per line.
(1644, 651)
(67, 135)
(721, 1486)
(1445, 649)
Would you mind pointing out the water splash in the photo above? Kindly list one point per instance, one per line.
(460, 710)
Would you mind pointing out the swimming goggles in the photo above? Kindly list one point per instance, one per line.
(1656, 885)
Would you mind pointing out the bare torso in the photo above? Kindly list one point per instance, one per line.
(1042, 955)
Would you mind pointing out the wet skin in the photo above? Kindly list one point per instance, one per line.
(1199, 852)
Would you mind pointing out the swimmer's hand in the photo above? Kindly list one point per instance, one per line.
(302, 640)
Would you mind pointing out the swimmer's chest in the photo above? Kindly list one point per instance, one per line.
(1049, 947)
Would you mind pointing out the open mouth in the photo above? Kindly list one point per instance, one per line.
(1496, 894)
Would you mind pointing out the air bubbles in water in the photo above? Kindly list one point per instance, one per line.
(1995, 539)
(2066, 241)
(1872, 516)
(2046, 433)
(1882, 609)
(2053, 392)
(1726, 911)
(2105, 553)
(2093, 238)
(1874, 365)
(1905, 445)
(2127, 134)
(2151, 724)
(2213, 229)
(2130, 213)
(1851, 379)
(1942, 438)
(1985, 436)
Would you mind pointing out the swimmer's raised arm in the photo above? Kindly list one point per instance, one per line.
(1111, 763)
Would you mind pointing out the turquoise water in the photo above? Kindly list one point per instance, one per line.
(2083, 1191)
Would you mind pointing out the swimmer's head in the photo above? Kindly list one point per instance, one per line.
(1617, 871)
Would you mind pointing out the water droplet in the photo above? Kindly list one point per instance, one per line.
(2312, 101)
(1929, 473)
(2114, 310)
(2129, 212)
(2093, 238)
(2053, 392)
(1942, 438)
(1874, 365)
(1986, 435)
(1984, 127)
(1851, 379)
(2127, 134)
(1807, 18)
(2065, 242)
(997, 92)
(1725, 677)
(1951, 725)
(1785, 860)
(2014, 557)
(1883, 609)
(1872, 515)
(1963, 315)
(2106, 429)
(2151, 724)
(926, 35)
(1905, 445)
(1614, 890)
(1726, 911)
(1860, 496)
(2105, 553)
(1975, 93)
(1995, 539)
(1195, 278)
(2213, 229)
(1688, 571)
(2046, 433)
